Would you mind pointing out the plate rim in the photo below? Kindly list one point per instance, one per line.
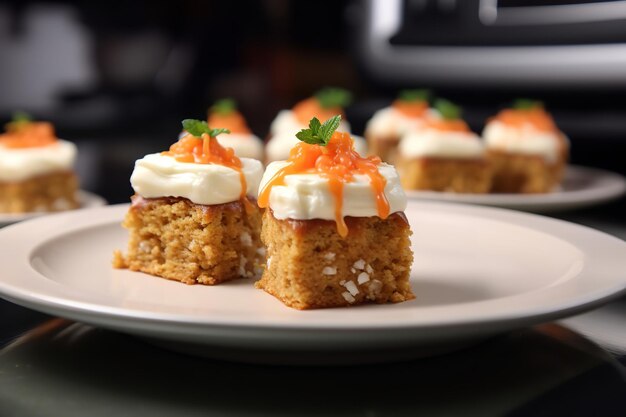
(539, 203)
(104, 315)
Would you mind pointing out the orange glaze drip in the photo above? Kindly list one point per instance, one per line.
(444, 125)
(536, 116)
(232, 121)
(414, 109)
(28, 135)
(207, 150)
(338, 162)
(310, 108)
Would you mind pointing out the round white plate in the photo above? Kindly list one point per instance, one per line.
(85, 198)
(581, 187)
(477, 272)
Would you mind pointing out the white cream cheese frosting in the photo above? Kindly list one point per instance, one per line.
(523, 140)
(157, 175)
(391, 122)
(434, 143)
(307, 196)
(18, 164)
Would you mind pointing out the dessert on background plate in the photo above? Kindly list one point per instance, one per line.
(193, 217)
(224, 113)
(527, 151)
(444, 155)
(36, 168)
(408, 112)
(334, 226)
(326, 103)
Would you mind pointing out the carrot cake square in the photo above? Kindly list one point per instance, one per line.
(36, 168)
(444, 155)
(388, 125)
(334, 226)
(246, 144)
(224, 113)
(527, 151)
(193, 217)
(323, 105)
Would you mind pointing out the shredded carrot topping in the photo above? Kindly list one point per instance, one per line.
(311, 107)
(207, 150)
(26, 134)
(535, 116)
(232, 121)
(414, 109)
(338, 162)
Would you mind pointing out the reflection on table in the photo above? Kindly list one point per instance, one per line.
(71, 369)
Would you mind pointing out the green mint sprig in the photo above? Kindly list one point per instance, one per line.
(526, 104)
(19, 120)
(21, 117)
(199, 127)
(319, 133)
(421, 94)
(224, 106)
(447, 109)
(330, 97)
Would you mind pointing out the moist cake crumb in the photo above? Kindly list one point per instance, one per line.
(293, 275)
(176, 239)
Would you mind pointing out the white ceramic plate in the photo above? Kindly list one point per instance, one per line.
(478, 271)
(581, 187)
(85, 198)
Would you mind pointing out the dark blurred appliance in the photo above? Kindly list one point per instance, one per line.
(517, 43)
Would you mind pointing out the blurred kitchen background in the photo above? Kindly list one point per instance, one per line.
(117, 77)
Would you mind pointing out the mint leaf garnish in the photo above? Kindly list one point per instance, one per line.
(327, 128)
(415, 95)
(224, 106)
(319, 133)
(199, 127)
(526, 104)
(21, 117)
(447, 109)
(314, 125)
(330, 97)
(214, 132)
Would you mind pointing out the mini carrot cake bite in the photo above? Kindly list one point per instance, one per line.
(245, 144)
(191, 219)
(225, 113)
(526, 149)
(408, 112)
(335, 230)
(36, 168)
(323, 105)
(444, 155)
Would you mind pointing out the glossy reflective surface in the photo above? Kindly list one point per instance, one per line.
(79, 370)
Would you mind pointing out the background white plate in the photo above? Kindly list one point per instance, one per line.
(85, 198)
(581, 187)
(478, 271)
